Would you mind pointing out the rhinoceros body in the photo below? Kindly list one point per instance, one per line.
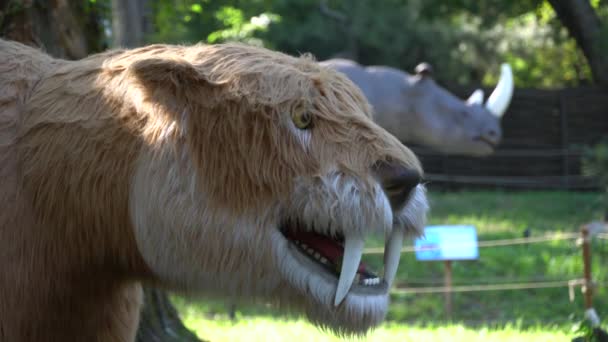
(418, 111)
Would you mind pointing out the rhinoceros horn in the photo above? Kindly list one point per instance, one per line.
(501, 96)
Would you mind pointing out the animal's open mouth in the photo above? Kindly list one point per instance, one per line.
(328, 252)
(338, 259)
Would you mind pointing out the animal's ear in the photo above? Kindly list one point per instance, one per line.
(424, 70)
(177, 86)
(174, 83)
(173, 73)
(476, 98)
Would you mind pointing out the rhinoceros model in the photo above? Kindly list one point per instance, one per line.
(418, 111)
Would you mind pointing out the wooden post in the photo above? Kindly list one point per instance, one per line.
(590, 313)
(448, 288)
(587, 287)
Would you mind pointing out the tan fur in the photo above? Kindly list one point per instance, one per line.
(66, 276)
(76, 136)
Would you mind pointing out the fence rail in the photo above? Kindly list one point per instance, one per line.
(492, 243)
(545, 133)
(489, 287)
(530, 182)
(587, 285)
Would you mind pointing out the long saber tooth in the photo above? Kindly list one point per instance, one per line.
(353, 249)
(392, 254)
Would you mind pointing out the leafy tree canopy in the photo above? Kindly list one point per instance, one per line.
(465, 40)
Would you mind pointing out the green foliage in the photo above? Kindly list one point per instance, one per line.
(465, 40)
(190, 21)
(238, 28)
(540, 51)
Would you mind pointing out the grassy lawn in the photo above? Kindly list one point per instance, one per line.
(538, 315)
(271, 330)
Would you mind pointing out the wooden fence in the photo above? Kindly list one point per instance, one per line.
(544, 134)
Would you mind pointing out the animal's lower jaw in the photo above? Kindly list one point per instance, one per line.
(484, 146)
(363, 308)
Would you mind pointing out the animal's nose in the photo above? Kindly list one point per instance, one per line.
(397, 180)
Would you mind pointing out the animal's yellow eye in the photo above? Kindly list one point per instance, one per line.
(302, 118)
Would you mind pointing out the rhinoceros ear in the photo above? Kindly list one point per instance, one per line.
(424, 70)
(476, 98)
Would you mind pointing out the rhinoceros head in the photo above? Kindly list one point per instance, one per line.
(446, 123)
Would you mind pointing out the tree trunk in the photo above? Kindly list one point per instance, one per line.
(62, 28)
(585, 27)
(130, 22)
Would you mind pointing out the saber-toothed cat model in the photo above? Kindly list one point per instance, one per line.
(226, 170)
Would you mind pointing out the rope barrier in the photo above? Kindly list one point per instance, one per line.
(424, 282)
(495, 287)
(492, 243)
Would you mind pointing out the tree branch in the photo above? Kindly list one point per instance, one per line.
(585, 27)
(338, 16)
(346, 25)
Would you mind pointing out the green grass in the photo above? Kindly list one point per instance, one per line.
(270, 330)
(539, 315)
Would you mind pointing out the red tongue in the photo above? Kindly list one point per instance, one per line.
(328, 247)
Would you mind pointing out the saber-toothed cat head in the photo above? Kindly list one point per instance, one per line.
(261, 175)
